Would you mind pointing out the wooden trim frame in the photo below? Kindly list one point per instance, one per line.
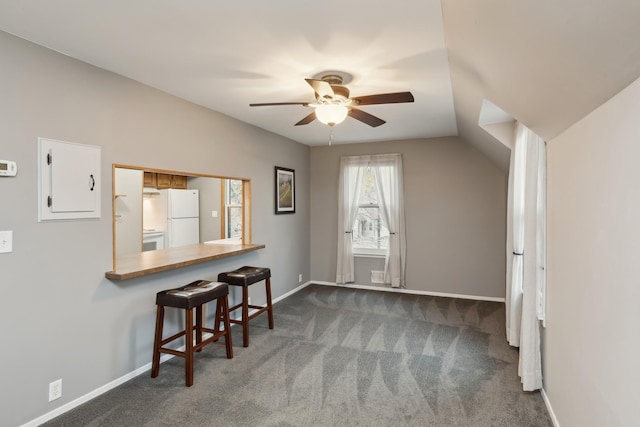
(134, 265)
(246, 213)
(285, 190)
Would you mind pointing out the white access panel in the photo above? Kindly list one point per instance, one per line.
(68, 181)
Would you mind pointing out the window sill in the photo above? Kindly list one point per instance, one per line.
(369, 255)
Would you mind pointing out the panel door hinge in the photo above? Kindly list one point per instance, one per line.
(49, 158)
(49, 201)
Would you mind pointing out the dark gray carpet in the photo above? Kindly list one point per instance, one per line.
(340, 357)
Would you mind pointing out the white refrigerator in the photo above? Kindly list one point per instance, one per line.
(183, 217)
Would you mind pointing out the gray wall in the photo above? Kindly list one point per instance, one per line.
(455, 203)
(592, 339)
(59, 316)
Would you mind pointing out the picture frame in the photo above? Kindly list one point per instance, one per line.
(285, 186)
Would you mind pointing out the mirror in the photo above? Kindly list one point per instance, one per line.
(158, 209)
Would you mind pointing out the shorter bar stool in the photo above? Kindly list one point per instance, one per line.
(193, 295)
(244, 277)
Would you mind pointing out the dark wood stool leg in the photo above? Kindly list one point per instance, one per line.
(218, 318)
(157, 342)
(245, 316)
(199, 323)
(188, 352)
(269, 305)
(223, 306)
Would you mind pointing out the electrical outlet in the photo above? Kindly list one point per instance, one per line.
(299, 278)
(249, 300)
(55, 390)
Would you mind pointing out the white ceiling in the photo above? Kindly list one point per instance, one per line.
(547, 63)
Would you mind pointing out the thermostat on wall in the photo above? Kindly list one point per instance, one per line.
(8, 168)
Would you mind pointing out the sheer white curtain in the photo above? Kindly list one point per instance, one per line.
(526, 253)
(388, 176)
(541, 235)
(515, 246)
(349, 186)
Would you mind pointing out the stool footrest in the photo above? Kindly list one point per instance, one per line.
(215, 336)
(238, 306)
(251, 316)
(171, 338)
(209, 340)
(172, 351)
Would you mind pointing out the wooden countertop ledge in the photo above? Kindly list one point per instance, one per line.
(144, 263)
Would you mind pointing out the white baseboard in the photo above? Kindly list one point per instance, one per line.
(547, 403)
(291, 292)
(93, 394)
(410, 291)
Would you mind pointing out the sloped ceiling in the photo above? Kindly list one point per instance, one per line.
(546, 63)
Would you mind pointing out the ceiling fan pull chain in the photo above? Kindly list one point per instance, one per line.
(330, 136)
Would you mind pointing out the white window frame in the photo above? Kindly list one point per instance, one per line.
(227, 210)
(369, 252)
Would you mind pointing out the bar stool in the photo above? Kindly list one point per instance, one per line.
(193, 295)
(244, 277)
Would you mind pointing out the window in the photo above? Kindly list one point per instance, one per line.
(370, 233)
(371, 215)
(233, 208)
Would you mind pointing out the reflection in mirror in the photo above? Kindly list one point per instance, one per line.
(128, 210)
(154, 209)
(232, 196)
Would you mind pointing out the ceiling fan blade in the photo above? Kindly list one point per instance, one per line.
(266, 104)
(367, 118)
(322, 88)
(311, 117)
(384, 98)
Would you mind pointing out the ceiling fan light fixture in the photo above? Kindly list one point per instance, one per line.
(331, 114)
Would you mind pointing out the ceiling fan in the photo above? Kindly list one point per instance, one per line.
(333, 104)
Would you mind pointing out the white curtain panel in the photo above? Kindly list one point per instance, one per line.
(509, 246)
(517, 175)
(527, 209)
(530, 366)
(541, 237)
(349, 186)
(387, 172)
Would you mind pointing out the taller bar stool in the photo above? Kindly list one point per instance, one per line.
(245, 276)
(193, 295)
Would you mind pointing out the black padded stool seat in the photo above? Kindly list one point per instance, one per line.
(245, 276)
(193, 295)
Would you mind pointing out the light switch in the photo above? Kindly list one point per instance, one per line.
(214, 214)
(6, 241)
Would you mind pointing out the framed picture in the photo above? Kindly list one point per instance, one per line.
(285, 190)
